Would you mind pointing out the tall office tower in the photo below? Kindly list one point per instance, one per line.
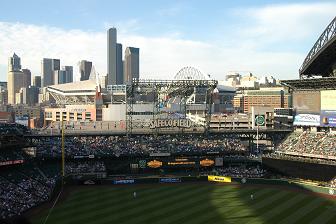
(14, 63)
(60, 77)
(56, 64)
(69, 73)
(65, 75)
(32, 95)
(48, 67)
(23, 96)
(37, 81)
(112, 56)
(131, 64)
(19, 96)
(120, 73)
(3, 93)
(85, 69)
(15, 78)
(3, 97)
(26, 77)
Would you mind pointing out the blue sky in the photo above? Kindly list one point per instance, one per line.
(264, 37)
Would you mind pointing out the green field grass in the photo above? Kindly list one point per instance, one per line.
(189, 203)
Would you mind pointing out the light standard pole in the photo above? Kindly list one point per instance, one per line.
(63, 154)
(258, 136)
(111, 92)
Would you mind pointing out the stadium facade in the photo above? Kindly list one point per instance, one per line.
(187, 96)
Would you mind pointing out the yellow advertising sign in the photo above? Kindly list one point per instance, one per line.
(207, 162)
(221, 179)
(154, 164)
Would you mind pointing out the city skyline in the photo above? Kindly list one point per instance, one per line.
(270, 38)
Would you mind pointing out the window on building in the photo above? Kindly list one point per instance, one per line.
(87, 116)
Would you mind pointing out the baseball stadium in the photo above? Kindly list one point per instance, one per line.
(169, 156)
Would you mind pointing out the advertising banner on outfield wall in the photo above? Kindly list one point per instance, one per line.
(307, 102)
(221, 179)
(124, 181)
(328, 118)
(170, 180)
(307, 120)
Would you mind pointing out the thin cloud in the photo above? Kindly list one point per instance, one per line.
(287, 22)
(172, 10)
(161, 57)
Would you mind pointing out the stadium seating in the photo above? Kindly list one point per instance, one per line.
(238, 172)
(311, 143)
(22, 188)
(139, 145)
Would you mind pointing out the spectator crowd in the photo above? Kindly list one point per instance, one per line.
(24, 188)
(238, 172)
(321, 144)
(13, 129)
(21, 189)
(332, 183)
(102, 146)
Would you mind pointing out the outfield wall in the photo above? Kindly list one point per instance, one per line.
(288, 183)
(298, 169)
(304, 186)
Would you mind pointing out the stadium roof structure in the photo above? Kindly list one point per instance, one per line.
(76, 92)
(321, 60)
(311, 83)
(87, 87)
(222, 88)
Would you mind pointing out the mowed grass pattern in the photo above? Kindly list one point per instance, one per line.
(189, 203)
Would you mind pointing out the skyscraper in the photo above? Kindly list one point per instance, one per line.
(59, 77)
(37, 81)
(85, 69)
(14, 63)
(15, 78)
(29, 95)
(26, 77)
(131, 64)
(65, 75)
(48, 67)
(112, 56)
(120, 75)
(69, 73)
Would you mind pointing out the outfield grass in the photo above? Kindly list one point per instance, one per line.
(189, 203)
